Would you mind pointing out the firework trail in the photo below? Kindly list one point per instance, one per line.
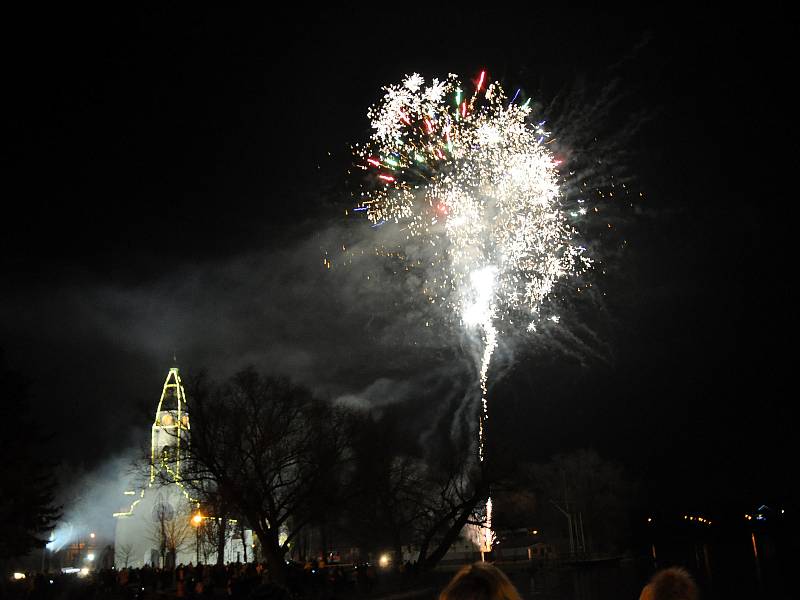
(473, 180)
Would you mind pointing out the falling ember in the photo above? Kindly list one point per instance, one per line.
(482, 185)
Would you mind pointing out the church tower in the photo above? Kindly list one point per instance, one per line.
(170, 431)
(155, 527)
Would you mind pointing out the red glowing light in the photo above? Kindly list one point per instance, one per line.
(374, 162)
(464, 109)
(386, 177)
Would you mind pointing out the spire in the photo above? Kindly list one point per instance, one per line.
(171, 427)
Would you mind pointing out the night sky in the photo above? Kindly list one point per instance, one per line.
(173, 179)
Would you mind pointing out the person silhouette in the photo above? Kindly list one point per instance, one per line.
(673, 583)
(480, 581)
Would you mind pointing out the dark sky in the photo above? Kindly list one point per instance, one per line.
(173, 178)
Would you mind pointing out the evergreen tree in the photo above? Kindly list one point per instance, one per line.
(27, 508)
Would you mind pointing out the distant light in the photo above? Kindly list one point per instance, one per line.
(197, 519)
(649, 519)
(90, 556)
(383, 561)
(84, 572)
(782, 511)
(19, 576)
(535, 532)
(91, 535)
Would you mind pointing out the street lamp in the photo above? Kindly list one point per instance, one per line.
(197, 521)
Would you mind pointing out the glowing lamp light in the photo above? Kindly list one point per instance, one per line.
(18, 576)
(90, 556)
(91, 535)
(383, 561)
(197, 519)
(83, 572)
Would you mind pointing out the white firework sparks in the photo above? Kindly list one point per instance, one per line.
(476, 180)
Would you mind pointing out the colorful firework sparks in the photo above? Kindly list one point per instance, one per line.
(467, 176)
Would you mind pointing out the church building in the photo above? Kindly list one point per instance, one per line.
(162, 525)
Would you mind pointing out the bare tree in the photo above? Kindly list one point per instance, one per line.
(171, 531)
(455, 491)
(408, 499)
(587, 496)
(269, 447)
(215, 534)
(125, 551)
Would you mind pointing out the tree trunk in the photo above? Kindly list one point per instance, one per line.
(323, 541)
(450, 536)
(244, 541)
(398, 552)
(273, 555)
(430, 534)
(222, 529)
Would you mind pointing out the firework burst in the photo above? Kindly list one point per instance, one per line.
(469, 177)
(473, 179)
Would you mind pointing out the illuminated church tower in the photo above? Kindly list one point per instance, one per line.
(170, 432)
(155, 526)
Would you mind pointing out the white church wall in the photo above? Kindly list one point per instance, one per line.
(138, 533)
